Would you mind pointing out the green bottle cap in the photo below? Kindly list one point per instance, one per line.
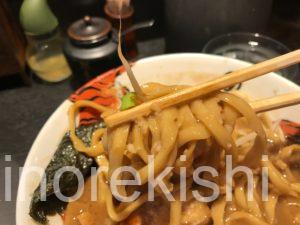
(37, 18)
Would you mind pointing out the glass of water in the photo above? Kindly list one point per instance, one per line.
(250, 47)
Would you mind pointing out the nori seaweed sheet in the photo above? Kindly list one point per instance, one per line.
(65, 155)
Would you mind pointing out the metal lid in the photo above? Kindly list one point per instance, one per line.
(89, 30)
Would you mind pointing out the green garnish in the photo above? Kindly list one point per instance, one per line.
(128, 101)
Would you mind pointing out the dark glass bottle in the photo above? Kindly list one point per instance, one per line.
(113, 15)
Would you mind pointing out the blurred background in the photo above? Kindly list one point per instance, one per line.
(180, 26)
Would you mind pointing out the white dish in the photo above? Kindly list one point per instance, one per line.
(169, 69)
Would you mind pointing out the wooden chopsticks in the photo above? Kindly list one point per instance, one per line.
(276, 102)
(193, 92)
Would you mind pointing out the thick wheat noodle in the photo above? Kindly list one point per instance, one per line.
(155, 135)
(190, 129)
(138, 143)
(96, 147)
(251, 219)
(117, 147)
(175, 212)
(270, 207)
(202, 131)
(278, 180)
(106, 197)
(189, 157)
(218, 211)
(122, 215)
(212, 123)
(240, 197)
(169, 130)
(245, 109)
(254, 206)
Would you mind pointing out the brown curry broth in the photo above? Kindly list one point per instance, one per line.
(96, 211)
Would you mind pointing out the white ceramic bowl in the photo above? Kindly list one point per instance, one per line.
(169, 69)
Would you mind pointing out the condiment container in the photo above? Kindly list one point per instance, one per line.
(44, 53)
(90, 48)
(113, 14)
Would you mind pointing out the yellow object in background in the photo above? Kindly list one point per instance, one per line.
(52, 69)
(44, 53)
(45, 57)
